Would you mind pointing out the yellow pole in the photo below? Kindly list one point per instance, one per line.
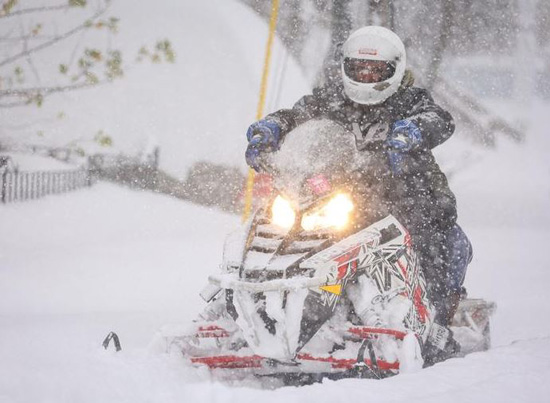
(261, 102)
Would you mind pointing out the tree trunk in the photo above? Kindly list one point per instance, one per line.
(341, 21)
(441, 43)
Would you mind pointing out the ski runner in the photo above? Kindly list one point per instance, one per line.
(373, 96)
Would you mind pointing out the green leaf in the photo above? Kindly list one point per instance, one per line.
(103, 139)
(93, 54)
(7, 6)
(77, 3)
(36, 30)
(113, 24)
(39, 99)
(84, 64)
(19, 74)
(165, 47)
(91, 78)
(114, 65)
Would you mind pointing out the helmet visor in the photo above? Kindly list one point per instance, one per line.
(368, 71)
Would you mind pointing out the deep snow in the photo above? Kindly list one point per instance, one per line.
(74, 267)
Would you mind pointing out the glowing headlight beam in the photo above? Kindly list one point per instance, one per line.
(334, 214)
(282, 213)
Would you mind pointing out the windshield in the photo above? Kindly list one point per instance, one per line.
(317, 147)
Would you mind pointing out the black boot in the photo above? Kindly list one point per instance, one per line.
(451, 305)
(441, 344)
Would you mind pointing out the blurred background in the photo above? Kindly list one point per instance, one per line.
(78, 74)
(176, 84)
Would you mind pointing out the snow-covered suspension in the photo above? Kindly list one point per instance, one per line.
(322, 281)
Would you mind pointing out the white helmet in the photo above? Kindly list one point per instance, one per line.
(373, 65)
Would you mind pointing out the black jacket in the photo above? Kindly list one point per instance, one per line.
(420, 196)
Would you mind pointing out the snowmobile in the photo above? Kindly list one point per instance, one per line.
(322, 282)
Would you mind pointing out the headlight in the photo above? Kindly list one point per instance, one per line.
(334, 214)
(282, 213)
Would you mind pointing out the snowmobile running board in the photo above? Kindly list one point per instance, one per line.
(256, 361)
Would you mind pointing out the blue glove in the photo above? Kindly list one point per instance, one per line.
(404, 137)
(263, 136)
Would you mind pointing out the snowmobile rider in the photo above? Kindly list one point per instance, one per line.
(375, 98)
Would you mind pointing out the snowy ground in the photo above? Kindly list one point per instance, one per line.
(74, 267)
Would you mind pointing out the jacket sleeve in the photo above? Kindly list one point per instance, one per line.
(435, 123)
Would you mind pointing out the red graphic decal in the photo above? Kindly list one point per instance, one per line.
(408, 242)
(346, 257)
(342, 271)
(256, 361)
(420, 307)
(403, 269)
(347, 268)
(343, 363)
(354, 265)
(345, 264)
(211, 332)
(364, 332)
(368, 51)
(230, 361)
(319, 184)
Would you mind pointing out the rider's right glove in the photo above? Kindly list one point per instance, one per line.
(263, 136)
(404, 137)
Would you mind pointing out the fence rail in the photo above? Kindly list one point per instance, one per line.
(21, 186)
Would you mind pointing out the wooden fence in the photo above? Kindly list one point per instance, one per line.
(21, 186)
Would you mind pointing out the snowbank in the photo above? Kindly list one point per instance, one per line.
(74, 267)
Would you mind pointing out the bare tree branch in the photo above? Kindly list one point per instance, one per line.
(58, 38)
(27, 38)
(91, 64)
(33, 69)
(27, 92)
(28, 95)
(29, 58)
(35, 10)
(15, 104)
(75, 49)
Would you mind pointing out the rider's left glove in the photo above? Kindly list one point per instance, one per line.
(263, 136)
(404, 137)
